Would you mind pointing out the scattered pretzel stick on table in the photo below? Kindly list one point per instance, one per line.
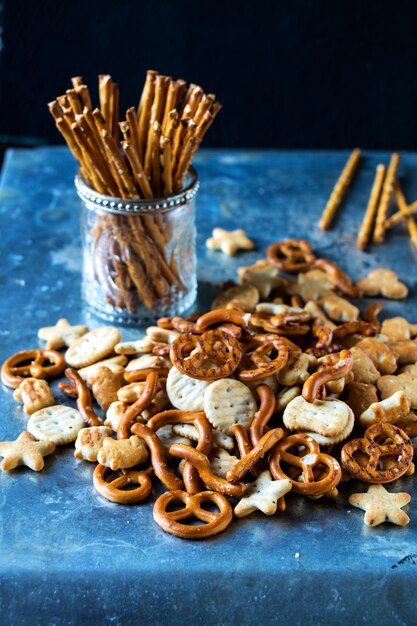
(387, 190)
(339, 189)
(401, 215)
(402, 205)
(365, 231)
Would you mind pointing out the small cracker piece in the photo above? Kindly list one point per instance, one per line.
(185, 393)
(35, 394)
(396, 328)
(92, 347)
(295, 371)
(89, 441)
(363, 369)
(105, 384)
(405, 351)
(244, 297)
(147, 360)
(221, 461)
(381, 506)
(312, 285)
(263, 275)
(360, 397)
(263, 495)
(114, 415)
(122, 453)
(139, 346)
(285, 396)
(380, 354)
(229, 242)
(339, 309)
(325, 417)
(59, 424)
(25, 451)
(391, 410)
(227, 402)
(407, 382)
(61, 335)
(382, 282)
(115, 363)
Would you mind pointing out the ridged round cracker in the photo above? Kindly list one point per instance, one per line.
(59, 424)
(185, 393)
(344, 434)
(227, 402)
(92, 347)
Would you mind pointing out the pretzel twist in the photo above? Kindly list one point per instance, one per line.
(170, 521)
(13, 373)
(338, 278)
(156, 449)
(351, 328)
(205, 439)
(263, 414)
(212, 346)
(84, 399)
(135, 409)
(310, 458)
(265, 443)
(291, 255)
(221, 316)
(313, 387)
(371, 471)
(202, 465)
(114, 489)
(263, 365)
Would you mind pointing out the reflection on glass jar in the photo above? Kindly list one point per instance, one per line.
(139, 258)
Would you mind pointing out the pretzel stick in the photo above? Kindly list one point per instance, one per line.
(171, 100)
(339, 190)
(166, 166)
(156, 159)
(205, 105)
(104, 90)
(66, 131)
(365, 230)
(74, 102)
(157, 112)
(137, 169)
(402, 205)
(88, 153)
(144, 111)
(120, 164)
(77, 81)
(114, 111)
(90, 128)
(401, 215)
(171, 124)
(387, 190)
(185, 162)
(133, 126)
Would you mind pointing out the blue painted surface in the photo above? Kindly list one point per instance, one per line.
(67, 555)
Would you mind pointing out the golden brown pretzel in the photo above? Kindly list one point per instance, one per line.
(83, 395)
(371, 313)
(134, 376)
(205, 439)
(291, 255)
(264, 366)
(266, 442)
(338, 278)
(170, 521)
(221, 316)
(159, 464)
(114, 491)
(324, 335)
(351, 328)
(310, 458)
(202, 465)
(135, 409)
(278, 325)
(263, 414)
(213, 346)
(314, 385)
(370, 471)
(31, 363)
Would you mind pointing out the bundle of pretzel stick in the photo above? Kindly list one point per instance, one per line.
(159, 141)
(375, 222)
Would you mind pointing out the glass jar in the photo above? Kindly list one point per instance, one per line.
(139, 260)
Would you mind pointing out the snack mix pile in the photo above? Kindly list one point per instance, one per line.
(283, 386)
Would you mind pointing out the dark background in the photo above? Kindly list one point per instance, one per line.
(290, 73)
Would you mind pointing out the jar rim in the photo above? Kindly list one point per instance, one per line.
(94, 200)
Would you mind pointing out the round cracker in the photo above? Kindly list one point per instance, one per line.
(59, 424)
(92, 347)
(227, 402)
(186, 393)
(326, 417)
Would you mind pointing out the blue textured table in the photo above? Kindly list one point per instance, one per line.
(70, 557)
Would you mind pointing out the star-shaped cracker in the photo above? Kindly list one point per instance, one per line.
(229, 242)
(61, 335)
(263, 495)
(25, 451)
(262, 275)
(381, 506)
(383, 282)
